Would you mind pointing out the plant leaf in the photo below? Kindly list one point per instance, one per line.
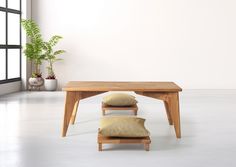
(54, 40)
(59, 52)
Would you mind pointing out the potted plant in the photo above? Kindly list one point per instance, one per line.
(34, 51)
(51, 57)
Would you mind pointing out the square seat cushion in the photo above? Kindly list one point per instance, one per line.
(119, 99)
(123, 126)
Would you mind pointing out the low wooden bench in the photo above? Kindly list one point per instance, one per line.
(121, 140)
(105, 107)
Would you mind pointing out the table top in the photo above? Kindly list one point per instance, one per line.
(121, 86)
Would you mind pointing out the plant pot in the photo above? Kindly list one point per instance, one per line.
(37, 82)
(50, 84)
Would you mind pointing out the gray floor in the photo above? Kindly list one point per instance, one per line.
(30, 130)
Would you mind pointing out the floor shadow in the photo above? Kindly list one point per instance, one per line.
(123, 147)
(86, 121)
(83, 133)
(158, 143)
(166, 143)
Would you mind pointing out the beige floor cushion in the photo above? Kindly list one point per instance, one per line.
(119, 99)
(123, 126)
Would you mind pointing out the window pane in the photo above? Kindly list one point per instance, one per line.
(2, 28)
(14, 4)
(13, 29)
(13, 63)
(2, 64)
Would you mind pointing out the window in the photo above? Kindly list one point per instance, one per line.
(10, 41)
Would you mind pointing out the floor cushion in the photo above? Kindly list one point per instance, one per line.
(119, 99)
(123, 126)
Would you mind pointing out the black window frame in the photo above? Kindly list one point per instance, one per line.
(6, 46)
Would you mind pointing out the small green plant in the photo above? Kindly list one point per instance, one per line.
(34, 48)
(51, 55)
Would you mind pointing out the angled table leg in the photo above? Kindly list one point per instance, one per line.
(82, 95)
(71, 106)
(168, 113)
(71, 98)
(171, 102)
(74, 113)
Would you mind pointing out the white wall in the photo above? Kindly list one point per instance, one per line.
(25, 65)
(190, 42)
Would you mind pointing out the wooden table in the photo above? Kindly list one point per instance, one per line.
(168, 92)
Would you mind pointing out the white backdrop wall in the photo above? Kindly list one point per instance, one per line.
(190, 42)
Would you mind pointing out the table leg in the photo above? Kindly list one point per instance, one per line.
(168, 113)
(81, 95)
(71, 107)
(71, 98)
(74, 113)
(173, 103)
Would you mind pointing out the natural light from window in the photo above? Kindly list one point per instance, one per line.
(10, 41)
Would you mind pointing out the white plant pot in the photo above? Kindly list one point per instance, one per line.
(50, 84)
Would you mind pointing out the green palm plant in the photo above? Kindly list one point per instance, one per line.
(51, 55)
(34, 48)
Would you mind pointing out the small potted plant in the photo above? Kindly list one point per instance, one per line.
(51, 57)
(34, 51)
